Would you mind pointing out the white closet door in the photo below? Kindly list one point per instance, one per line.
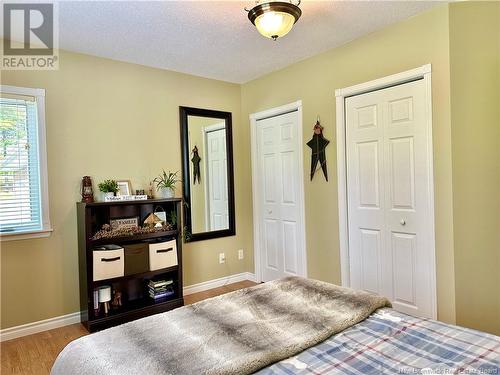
(278, 165)
(217, 180)
(388, 174)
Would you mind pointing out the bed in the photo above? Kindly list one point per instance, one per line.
(389, 342)
(287, 326)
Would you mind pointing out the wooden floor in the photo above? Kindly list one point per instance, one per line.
(35, 354)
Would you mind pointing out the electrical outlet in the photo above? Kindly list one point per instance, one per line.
(222, 258)
(240, 254)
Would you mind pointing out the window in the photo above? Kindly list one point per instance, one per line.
(23, 164)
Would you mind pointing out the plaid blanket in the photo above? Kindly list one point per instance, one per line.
(389, 342)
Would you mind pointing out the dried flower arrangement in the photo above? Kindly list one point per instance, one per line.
(106, 231)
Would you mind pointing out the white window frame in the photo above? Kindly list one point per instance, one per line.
(39, 94)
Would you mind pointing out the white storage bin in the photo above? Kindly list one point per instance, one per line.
(162, 255)
(108, 263)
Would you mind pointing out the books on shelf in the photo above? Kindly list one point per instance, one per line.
(159, 283)
(159, 289)
(162, 295)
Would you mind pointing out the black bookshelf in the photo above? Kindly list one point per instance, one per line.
(91, 218)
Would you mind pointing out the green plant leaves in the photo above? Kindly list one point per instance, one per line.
(108, 186)
(166, 181)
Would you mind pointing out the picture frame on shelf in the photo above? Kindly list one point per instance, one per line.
(124, 222)
(124, 187)
(161, 214)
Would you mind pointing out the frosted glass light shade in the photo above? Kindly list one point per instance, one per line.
(274, 24)
(274, 19)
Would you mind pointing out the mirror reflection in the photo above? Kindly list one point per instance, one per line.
(207, 169)
(208, 174)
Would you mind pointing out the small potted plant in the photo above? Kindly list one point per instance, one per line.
(165, 184)
(109, 188)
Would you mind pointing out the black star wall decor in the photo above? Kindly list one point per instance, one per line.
(318, 145)
(196, 166)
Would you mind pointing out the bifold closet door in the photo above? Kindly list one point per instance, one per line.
(388, 175)
(279, 179)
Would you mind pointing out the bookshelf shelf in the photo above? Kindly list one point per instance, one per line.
(136, 302)
(135, 238)
(127, 203)
(147, 274)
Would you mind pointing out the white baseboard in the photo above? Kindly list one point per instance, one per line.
(206, 285)
(40, 326)
(65, 320)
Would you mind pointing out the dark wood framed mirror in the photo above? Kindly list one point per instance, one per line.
(207, 173)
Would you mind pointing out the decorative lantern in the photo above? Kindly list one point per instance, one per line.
(87, 192)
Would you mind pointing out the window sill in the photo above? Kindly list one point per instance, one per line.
(25, 235)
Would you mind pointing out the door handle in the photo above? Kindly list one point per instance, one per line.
(402, 222)
(269, 212)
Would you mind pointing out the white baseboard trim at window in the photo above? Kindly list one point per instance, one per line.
(206, 285)
(65, 320)
(40, 326)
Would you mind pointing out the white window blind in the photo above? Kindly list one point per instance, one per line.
(21, 183)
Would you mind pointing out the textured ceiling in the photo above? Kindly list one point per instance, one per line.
(215, 39)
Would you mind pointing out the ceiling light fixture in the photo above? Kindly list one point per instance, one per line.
(274, 19)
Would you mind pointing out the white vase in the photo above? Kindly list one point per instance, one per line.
(166, 193)
(108, 194)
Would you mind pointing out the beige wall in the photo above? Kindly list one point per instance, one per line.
(475, 115)
(417, 41)
(109, 119)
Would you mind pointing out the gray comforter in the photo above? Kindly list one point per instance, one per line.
(236, 333)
